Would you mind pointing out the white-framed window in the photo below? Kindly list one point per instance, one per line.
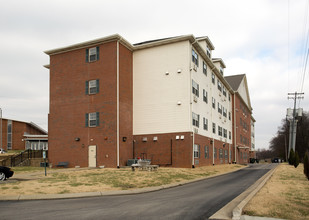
(194, 57)
(196, 151)
(195, 119)
(205, 124)
(204, 68)
(230, 135)
(219, 130)
(219, 108)
(213, 127)
(220, 153)
(207, 152)
(219, 86)
(92, 119)
(208, 51)
(205, 98)
(213, 78)
(221, 70)
(224, 111)
(230, 116)
(92, 86)
(224, 133)
(229, 97)
(224, 91)
(213, 103)
(9, 134)
(195, 88)
(92, 54)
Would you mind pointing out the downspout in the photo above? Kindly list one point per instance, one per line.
(235, 128)
(213, 151)
(118, 104)
(191, 103)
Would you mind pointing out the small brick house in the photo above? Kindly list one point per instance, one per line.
(15, 133)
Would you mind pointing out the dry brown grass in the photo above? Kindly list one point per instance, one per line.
(92, 180)
(285, 195)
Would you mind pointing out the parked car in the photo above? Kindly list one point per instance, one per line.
(5, 173)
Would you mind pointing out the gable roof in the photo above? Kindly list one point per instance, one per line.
(235, 80)
(240, 86)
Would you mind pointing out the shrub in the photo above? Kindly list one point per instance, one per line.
(292, 157)
(296, 160)
(306, 165)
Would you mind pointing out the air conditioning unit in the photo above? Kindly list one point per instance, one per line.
(45, 148)
(195, 130)
(195, 67)
(195, 98)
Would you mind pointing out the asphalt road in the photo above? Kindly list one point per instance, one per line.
(198, 200)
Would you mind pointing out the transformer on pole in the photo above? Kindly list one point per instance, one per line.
(292, 116)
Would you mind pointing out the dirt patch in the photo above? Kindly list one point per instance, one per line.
(107, 179)
(285, 195)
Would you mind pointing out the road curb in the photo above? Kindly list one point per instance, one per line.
(237, 211)
(107, 193)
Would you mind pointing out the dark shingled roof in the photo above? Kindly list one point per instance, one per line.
(234, 80)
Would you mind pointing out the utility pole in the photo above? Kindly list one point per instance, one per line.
(293, 119)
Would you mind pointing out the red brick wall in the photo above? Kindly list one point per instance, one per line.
(69, 104)
(166, 151)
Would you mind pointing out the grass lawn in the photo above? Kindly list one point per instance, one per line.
(60, 181)
(285, 195)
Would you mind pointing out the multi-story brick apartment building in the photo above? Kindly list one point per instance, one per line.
(166, 100)
(242, 118)
(19, 135)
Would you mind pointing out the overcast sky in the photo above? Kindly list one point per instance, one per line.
(265, 39)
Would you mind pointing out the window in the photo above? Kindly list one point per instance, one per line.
(229, 97)
(226, 154)
(213, 78)
(9, 137)
(230, 135)
(219, 86)
(194, 57)
(92, 87)
(195, 88)
(92, 54)
(205, 99)
(221, 70)
(206, 152)
(224, 133)
(208, 52)
(213, 102)
(219, 108)
(195, 119)
(224, 91)
(224, 111)
(205, 124)
(219, 130)
(220, 153)
(215, 153)
(196, 151)
(230, 116)
(204, 68)
(214, 128)
(92, 119)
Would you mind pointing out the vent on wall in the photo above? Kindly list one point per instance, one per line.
(155, 138)
(144, 139)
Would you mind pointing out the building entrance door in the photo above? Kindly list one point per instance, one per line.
(92, 156)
